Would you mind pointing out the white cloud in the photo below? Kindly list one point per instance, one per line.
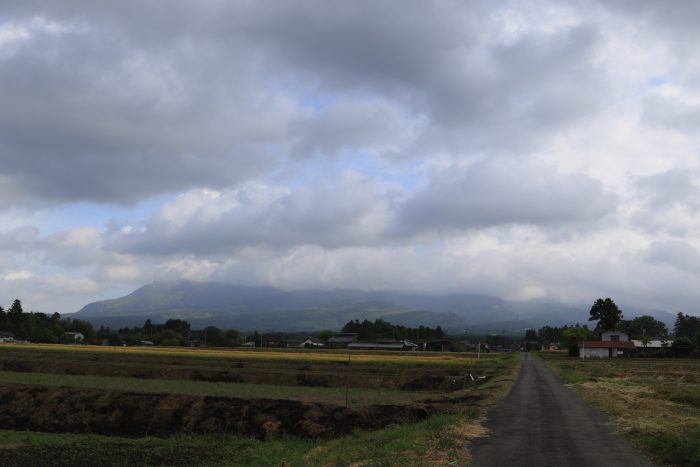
(17, 275)
(540, 149)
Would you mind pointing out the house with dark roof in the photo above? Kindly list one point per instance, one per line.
(439, 346)
(341, 340)
(612, 344)
(397, 345)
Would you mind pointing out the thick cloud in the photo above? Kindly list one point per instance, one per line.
(675, 253)
(496, 192)
(348, 211)
(528, 150)
(100, 105)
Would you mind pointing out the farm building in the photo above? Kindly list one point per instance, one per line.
(603, 349)
(611, 345)
(341, 341)
(310, 343)
(438, 346)
(655, 344)
(399, 345)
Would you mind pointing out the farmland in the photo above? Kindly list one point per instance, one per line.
(654, 402)
(157, 406)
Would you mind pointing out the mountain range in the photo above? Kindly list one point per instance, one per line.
(269, 309)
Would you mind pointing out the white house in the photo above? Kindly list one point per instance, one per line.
(611, 345)
(312, 343)
(614, 336)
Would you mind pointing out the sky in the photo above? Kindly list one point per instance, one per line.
(527, 150)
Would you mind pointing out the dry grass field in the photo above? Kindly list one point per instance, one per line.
(164, 406)
(655, 402)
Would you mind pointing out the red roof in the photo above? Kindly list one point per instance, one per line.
(607, 344)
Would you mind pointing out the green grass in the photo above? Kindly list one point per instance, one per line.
(416, 444)
(332, 395)
(438, 440)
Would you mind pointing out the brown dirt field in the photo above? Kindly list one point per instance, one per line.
(64, 410)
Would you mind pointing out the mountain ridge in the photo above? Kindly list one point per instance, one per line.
(270, 309)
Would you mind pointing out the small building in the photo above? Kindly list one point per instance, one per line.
(439, 346)
(311, 343)
(654, 344)
(612, 344)
(74, 337)
(341, 340)
(395, 345)
(6, 336)
(604, 349)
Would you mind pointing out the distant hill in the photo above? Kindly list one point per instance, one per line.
(270, 309)
(267, 308)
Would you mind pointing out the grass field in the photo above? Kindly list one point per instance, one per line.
(329, 395)
(654, 402)
(437, 381)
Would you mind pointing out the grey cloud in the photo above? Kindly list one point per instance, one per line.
(668, 202)
(113, 109)
(354, 211)
(373, 126)
(671, 188)
(347, 212)
(438, 63)
(490, 193)
(87, 117)
(675, 253)
(20, 238)
(673, 113)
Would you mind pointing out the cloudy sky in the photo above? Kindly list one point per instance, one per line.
(521, 149)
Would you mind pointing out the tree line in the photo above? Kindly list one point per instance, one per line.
(380, 329)
(685, 337)
(43, 328)
(40, 327)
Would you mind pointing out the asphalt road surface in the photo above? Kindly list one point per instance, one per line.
(543, 423)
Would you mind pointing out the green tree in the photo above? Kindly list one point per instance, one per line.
(232, 338)
(606, 313)
(16, 307)
(572, 336)
(686, 326)
(643, 326)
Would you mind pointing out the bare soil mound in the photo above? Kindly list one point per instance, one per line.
(41, 408)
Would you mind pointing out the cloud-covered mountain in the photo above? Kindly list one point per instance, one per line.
(271, 309)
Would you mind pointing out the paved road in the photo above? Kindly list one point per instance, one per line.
(543, 423)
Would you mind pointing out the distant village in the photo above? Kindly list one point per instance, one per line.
(612, 336)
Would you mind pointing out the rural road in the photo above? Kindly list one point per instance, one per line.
(543, 423)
